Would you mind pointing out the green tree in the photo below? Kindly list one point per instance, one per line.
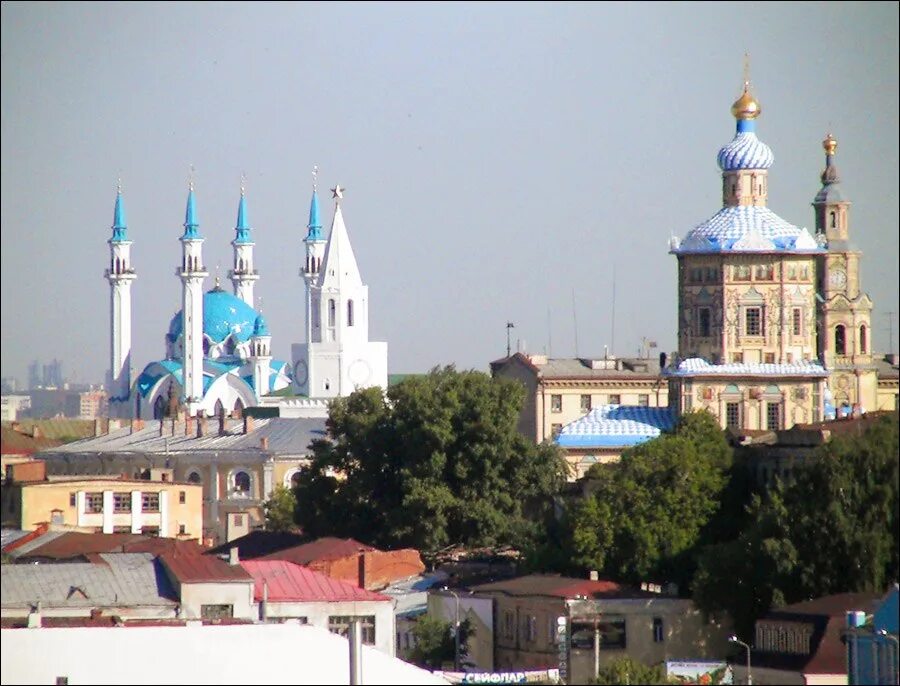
(279, 509)
(435, 644)
(832, 530)
(436, 461)
(625, 670)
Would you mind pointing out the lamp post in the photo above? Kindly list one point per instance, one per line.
(456, 633)
(735, 639)
(885, 634)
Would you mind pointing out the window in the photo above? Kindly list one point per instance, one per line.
(585, 403)
(737, 357)
(340, 624)
(658, 635)
(769, 358)
(531, 628)
(216, 611)
(644, 400)
(182, 497)
(194, 478)
(332, 312)
(555, 429)
(73, 499)
(121, 529)
(316, 316)
(711, 275)
(349, 313)
(703, 322)
(182, 529)
(840, 340)
(242, 483)
(753, 321)
(238, 520)
(733, 415)
(862, 339)
(742, 272)
(150, 502)
(150, 530)
(612, 634)
(796, 321)
(773, 416)
(833, 219)
(804, 272)
(765, 272)
(615, 399)
(508, 624)
(121, 502)
(93, 502)
(792, 272)
(555, 403)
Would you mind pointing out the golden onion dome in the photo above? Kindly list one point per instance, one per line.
(746, 106)
(829, 144)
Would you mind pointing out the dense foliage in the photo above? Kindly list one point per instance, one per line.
(435, 643)
(279, 509)
(436, 461)
(624, 670)
(833, 529)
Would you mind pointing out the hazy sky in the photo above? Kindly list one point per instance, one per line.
(501, 160)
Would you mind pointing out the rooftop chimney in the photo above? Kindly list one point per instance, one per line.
(233, 558)
(264, 443)
(222, 423)
(202, 429)
(188, 425)
(248, 424)
(34, 617)
(594, 575)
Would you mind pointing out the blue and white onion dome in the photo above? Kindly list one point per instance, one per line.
(745, 151)
(260, 328)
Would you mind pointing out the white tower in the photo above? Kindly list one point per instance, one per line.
(261, 356)
(120, 274)
(315, 250)
(192, 273)
(243, 274)
(338, 356)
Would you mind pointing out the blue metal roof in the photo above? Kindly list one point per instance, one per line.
(746, 228)
(119, 227)
(616, 426)
(745, 151)
(242, 228)
(191, 225)
(696, 366)
(223, 315)
(260, 328)
(314, 226)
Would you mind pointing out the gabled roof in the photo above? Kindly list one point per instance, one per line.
(557, 587)
(260, 543)
(289, 582)
(320, 550)
(616, 425)
(68, 545)
(192, 569)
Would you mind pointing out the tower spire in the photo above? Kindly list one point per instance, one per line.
(120, 275)
(192, 272)
(242, 273)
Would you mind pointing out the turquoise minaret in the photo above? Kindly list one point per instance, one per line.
(315, 251)
(120, 274)
(192, 273)
(243, 273)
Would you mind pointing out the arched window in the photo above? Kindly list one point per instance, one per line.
(241, 482)
(219, 409)
(238, 409)
(230, 346)
(349, 313)
(205, 347)
(332, 312)
(195, 478)
(862, 339)
(295, 479)
(833, 220)
(840, 340)
(316, 319)
(159, 408)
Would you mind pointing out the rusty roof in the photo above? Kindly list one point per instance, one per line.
(68, 545)
(192, 569)
(320, 550)
(557, 586)
(289, 582)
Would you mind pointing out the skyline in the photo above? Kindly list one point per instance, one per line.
(495, 170)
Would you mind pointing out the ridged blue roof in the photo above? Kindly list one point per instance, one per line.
(745, 151)
(223, 315)
(260, 328)
(191, 225)
(279, 376)
(696, 366)
(746, 228)
(119, 227)
(242, 228)
(616, 426)
(315, 225)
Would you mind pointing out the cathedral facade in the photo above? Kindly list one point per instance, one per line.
(218, 358)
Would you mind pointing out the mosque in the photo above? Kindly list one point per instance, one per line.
(218, 357)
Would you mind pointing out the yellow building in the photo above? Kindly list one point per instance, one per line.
(101, 504)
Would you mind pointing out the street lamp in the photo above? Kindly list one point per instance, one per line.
(735, 639)
(456, 636)
(884, 633)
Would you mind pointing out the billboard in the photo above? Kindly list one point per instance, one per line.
(699, 672)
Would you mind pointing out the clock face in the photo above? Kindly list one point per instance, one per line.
(360, 371)
(300, 373)
(837, 278)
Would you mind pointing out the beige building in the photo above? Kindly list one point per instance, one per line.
(103, 505)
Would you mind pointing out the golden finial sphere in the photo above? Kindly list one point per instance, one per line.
(746, 106)
(830, 144)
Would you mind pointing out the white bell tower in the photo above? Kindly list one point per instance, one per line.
(192, 273)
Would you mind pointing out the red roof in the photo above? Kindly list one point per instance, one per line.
(188, 569)
(73, 544)
(559, 587)
(320, 550)
(289, 582)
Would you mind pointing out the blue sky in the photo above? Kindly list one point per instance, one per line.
(502, 161)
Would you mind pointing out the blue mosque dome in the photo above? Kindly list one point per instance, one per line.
(745, 151)
(223, 315)
(260, 328)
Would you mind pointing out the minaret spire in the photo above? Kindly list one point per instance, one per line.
(120, 275)
(192, 273)
(243, 273)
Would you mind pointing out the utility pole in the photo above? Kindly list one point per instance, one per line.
(890, 316)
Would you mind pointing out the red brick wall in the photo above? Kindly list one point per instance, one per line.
(377, 568)
(28, 471)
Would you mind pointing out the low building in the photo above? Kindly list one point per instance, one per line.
(210, 588)
(284, 590)
(802, 643)
(46, 545)
(560, 390)
(604, 621)
(195, 653)
(872, 648)
(107, 505)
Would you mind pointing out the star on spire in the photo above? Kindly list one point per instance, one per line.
(337, 192)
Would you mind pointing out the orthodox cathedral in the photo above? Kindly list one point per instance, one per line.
(218, 347)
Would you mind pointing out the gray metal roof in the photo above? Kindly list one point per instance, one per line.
(7, 536)
(124, 579)
(622, 368)
(286, 436)
(36, 542)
